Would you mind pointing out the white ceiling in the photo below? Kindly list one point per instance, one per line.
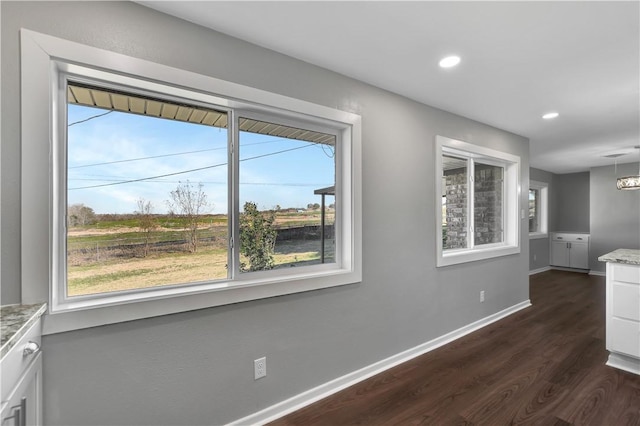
(519, 60)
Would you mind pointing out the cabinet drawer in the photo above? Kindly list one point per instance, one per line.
(626, 301)
(570, 238)
(626, 274)
(625, 337)
(15, 362)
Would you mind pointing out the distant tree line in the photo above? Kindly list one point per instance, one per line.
(257, 229)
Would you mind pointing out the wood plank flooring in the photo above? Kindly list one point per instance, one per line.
(544, 365)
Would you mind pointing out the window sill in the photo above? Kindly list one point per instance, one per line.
(80, 314)
(465, 256)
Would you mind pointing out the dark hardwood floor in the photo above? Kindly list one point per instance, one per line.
(544, 365)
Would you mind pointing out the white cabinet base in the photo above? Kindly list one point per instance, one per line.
(622, 362)
(21, 384)
(569, 250)
(623, 316)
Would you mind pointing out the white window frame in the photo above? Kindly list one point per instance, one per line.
(543, 210)
(44, 59)
(511, 202)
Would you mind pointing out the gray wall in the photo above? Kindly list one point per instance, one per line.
(197, 367)
(572, 202)
(615, 215)
(539, 247)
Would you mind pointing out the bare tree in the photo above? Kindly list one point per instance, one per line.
(80, 215)
(189, 201)
(146, 222)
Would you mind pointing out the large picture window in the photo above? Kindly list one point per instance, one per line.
(162, 184)
(477, 215)
(148, 193)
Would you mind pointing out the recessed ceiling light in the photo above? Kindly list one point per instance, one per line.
(449, 61)
(550, 115)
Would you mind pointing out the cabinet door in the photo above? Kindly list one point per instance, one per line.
(559, 253)
(579, 256)
(24, 406)
(625, 337)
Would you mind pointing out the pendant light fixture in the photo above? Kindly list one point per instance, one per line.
(630, 182)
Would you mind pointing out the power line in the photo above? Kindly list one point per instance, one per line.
(151, 178)
(191, 170)
(147, 158)
(90, 118)
(172, 155)
(331, 153)
(291, 184)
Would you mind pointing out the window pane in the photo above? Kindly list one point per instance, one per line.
(533, 209)
(455, 215)
(146, 192)
(488, 196)
(287, 196)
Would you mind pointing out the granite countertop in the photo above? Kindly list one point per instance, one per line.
(629, 256)
(15, 320)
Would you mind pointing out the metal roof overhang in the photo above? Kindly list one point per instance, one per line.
(329, 190)
(96, 97)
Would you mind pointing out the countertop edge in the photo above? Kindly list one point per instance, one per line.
(626, 256)
(13, 339)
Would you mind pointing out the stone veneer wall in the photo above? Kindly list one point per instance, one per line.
(488, 193)
(455, 233)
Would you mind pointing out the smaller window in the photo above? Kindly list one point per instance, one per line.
(477, 217)
(538, 209)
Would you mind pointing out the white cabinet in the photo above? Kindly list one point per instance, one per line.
(22, 381)
(570, 250)
(623, 316)
(23, 408)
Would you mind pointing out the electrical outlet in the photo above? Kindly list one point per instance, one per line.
(482, 296)
(260, 368)
(535, 257)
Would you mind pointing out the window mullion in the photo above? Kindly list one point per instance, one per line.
(234, 206)
(504, 205)
(470, 204)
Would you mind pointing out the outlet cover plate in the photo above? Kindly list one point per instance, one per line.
(260, 368)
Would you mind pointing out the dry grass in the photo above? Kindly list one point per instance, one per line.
(152, 271)
(175, 268)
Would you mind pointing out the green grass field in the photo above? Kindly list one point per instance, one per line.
(109, 255)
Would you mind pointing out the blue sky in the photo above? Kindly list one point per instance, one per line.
(106, 151)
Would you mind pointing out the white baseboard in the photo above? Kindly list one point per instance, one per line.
(561, 268)
(539, 270)
(599, 273)
(312, 395)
